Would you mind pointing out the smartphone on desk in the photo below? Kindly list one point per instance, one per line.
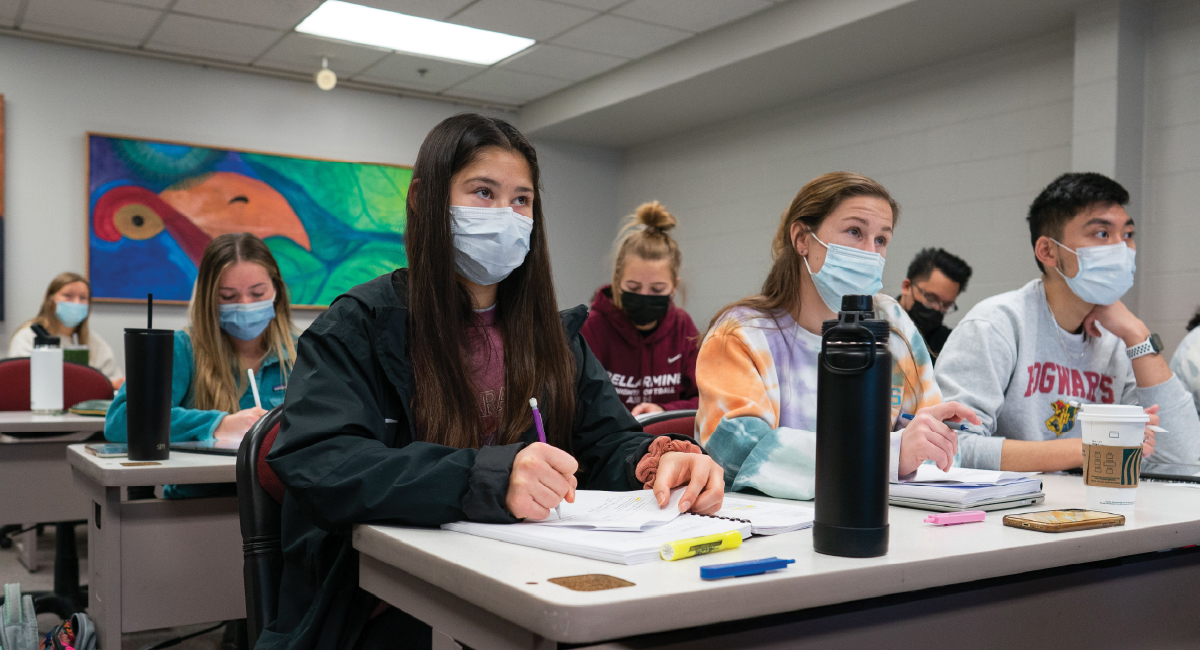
(107, 449)
(1061, 521)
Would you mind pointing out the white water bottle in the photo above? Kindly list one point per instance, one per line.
(45, 374)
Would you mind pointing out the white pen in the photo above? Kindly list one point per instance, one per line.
(254, 387)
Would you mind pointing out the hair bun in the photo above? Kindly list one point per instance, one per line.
(654, 215)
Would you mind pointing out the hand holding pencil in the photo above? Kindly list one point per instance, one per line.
(542, 477)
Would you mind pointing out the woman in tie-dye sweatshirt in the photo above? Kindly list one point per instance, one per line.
(757, 370)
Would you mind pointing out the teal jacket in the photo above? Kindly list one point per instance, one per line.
(188, 422)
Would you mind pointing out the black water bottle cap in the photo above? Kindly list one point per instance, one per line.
(857, 303)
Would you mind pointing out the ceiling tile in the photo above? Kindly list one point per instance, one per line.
(561, 62)
(692, 15)
(503, 86)
(280, 14)
(435, 9)
(90, 19)
(153, 4)
(529, 18)
(302, 53)
(8, 12)
(598, 5)
(218, 40)
(405, 70)
(621, 36)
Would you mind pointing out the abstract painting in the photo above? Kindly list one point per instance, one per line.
(153, 207)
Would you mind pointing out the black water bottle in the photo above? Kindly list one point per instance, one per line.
(854, 422)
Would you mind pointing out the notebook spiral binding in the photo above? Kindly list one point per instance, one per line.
(696, 514)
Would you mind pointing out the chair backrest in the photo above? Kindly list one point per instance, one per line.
(260, 495)
(682, 422)
(80, 383)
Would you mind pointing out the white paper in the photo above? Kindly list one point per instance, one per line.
(768, 518)
(615, 511)
(964, 476)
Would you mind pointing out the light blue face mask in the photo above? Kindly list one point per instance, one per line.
(847, 272)
(489, 243)
(1105, 272)
(71, 314)
(246, 321)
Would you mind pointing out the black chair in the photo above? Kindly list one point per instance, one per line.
(260, 495)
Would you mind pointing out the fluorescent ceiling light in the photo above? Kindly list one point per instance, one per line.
(358, 24)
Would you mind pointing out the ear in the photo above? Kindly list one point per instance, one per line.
(905, 284)
(412, 194)
(1046, 251)
(799, 238)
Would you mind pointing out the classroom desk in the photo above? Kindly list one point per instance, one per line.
(984, 583)
(157, 563)
(40, 463)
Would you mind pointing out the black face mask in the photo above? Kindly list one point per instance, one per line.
(643, 310)
(926, 319)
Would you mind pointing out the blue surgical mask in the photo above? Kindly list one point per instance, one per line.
(245, 321)
(489, 243)
(71, 314)
(847, 272)
(1105, 272)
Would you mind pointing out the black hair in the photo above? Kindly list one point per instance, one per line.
(1067, 196)
(1194, 322)
(929, 259)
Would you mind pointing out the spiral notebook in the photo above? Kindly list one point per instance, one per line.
(620, 527)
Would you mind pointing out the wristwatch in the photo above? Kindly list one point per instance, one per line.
(1152, 345)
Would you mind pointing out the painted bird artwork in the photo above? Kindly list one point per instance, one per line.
(154, 206)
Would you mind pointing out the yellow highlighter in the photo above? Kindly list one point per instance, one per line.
(685, 548)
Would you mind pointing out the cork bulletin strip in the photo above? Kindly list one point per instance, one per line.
(1112, 467)
(591, 582)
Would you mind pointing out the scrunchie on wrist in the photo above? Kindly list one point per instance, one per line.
(647, 467)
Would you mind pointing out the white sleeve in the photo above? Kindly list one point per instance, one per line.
(102, 358)
(21, 344)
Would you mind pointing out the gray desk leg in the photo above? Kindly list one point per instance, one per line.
(104, 566)
(455, 622)
(28, 547)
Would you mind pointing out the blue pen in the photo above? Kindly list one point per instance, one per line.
(541, 431)
(954, 426)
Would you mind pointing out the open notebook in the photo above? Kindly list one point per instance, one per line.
(620, 527)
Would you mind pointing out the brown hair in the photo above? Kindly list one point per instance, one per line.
(813, 203)
(220, 378)
(48, 316)
(537, 360)
(645, 234)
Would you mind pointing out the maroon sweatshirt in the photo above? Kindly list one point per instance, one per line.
(659, 368)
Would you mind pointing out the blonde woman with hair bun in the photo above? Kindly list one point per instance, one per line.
(239, 319)
(647, 344)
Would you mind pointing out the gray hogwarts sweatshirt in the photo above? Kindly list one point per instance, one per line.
(1026, 377)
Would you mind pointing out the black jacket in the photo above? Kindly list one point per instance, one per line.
(347, 455)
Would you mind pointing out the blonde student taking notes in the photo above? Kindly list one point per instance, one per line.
(647, 344)
(65, 311)
(758, 364)
(240, 319)
(410, 400)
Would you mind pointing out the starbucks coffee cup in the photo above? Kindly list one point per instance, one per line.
(1112, 454)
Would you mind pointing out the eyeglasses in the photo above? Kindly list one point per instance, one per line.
(934, 303)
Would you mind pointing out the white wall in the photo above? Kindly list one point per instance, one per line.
(964, 146)
(1169, 234)
(55, 94)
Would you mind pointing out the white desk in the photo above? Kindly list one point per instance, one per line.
(488, 594)
(158, 563)
(42, 462)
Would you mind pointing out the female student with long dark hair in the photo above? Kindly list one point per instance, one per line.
(409, 403)
(64, 313)
(647, 344)
(239, 318)
(758, 364)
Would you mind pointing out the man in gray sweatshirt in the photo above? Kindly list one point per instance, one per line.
(1027, 360)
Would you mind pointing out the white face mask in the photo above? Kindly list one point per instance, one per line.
(1105, 272)
(489, 243)
(847, 272)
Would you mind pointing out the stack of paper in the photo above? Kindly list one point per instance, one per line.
(621, 527)
(961, 486)
(767, 517)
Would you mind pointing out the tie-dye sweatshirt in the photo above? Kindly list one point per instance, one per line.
(758, 396)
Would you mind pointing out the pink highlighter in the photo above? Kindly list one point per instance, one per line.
(952, 518)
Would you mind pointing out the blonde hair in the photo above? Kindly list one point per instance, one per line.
(220, 377)
(645, 234)
(48, 315)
